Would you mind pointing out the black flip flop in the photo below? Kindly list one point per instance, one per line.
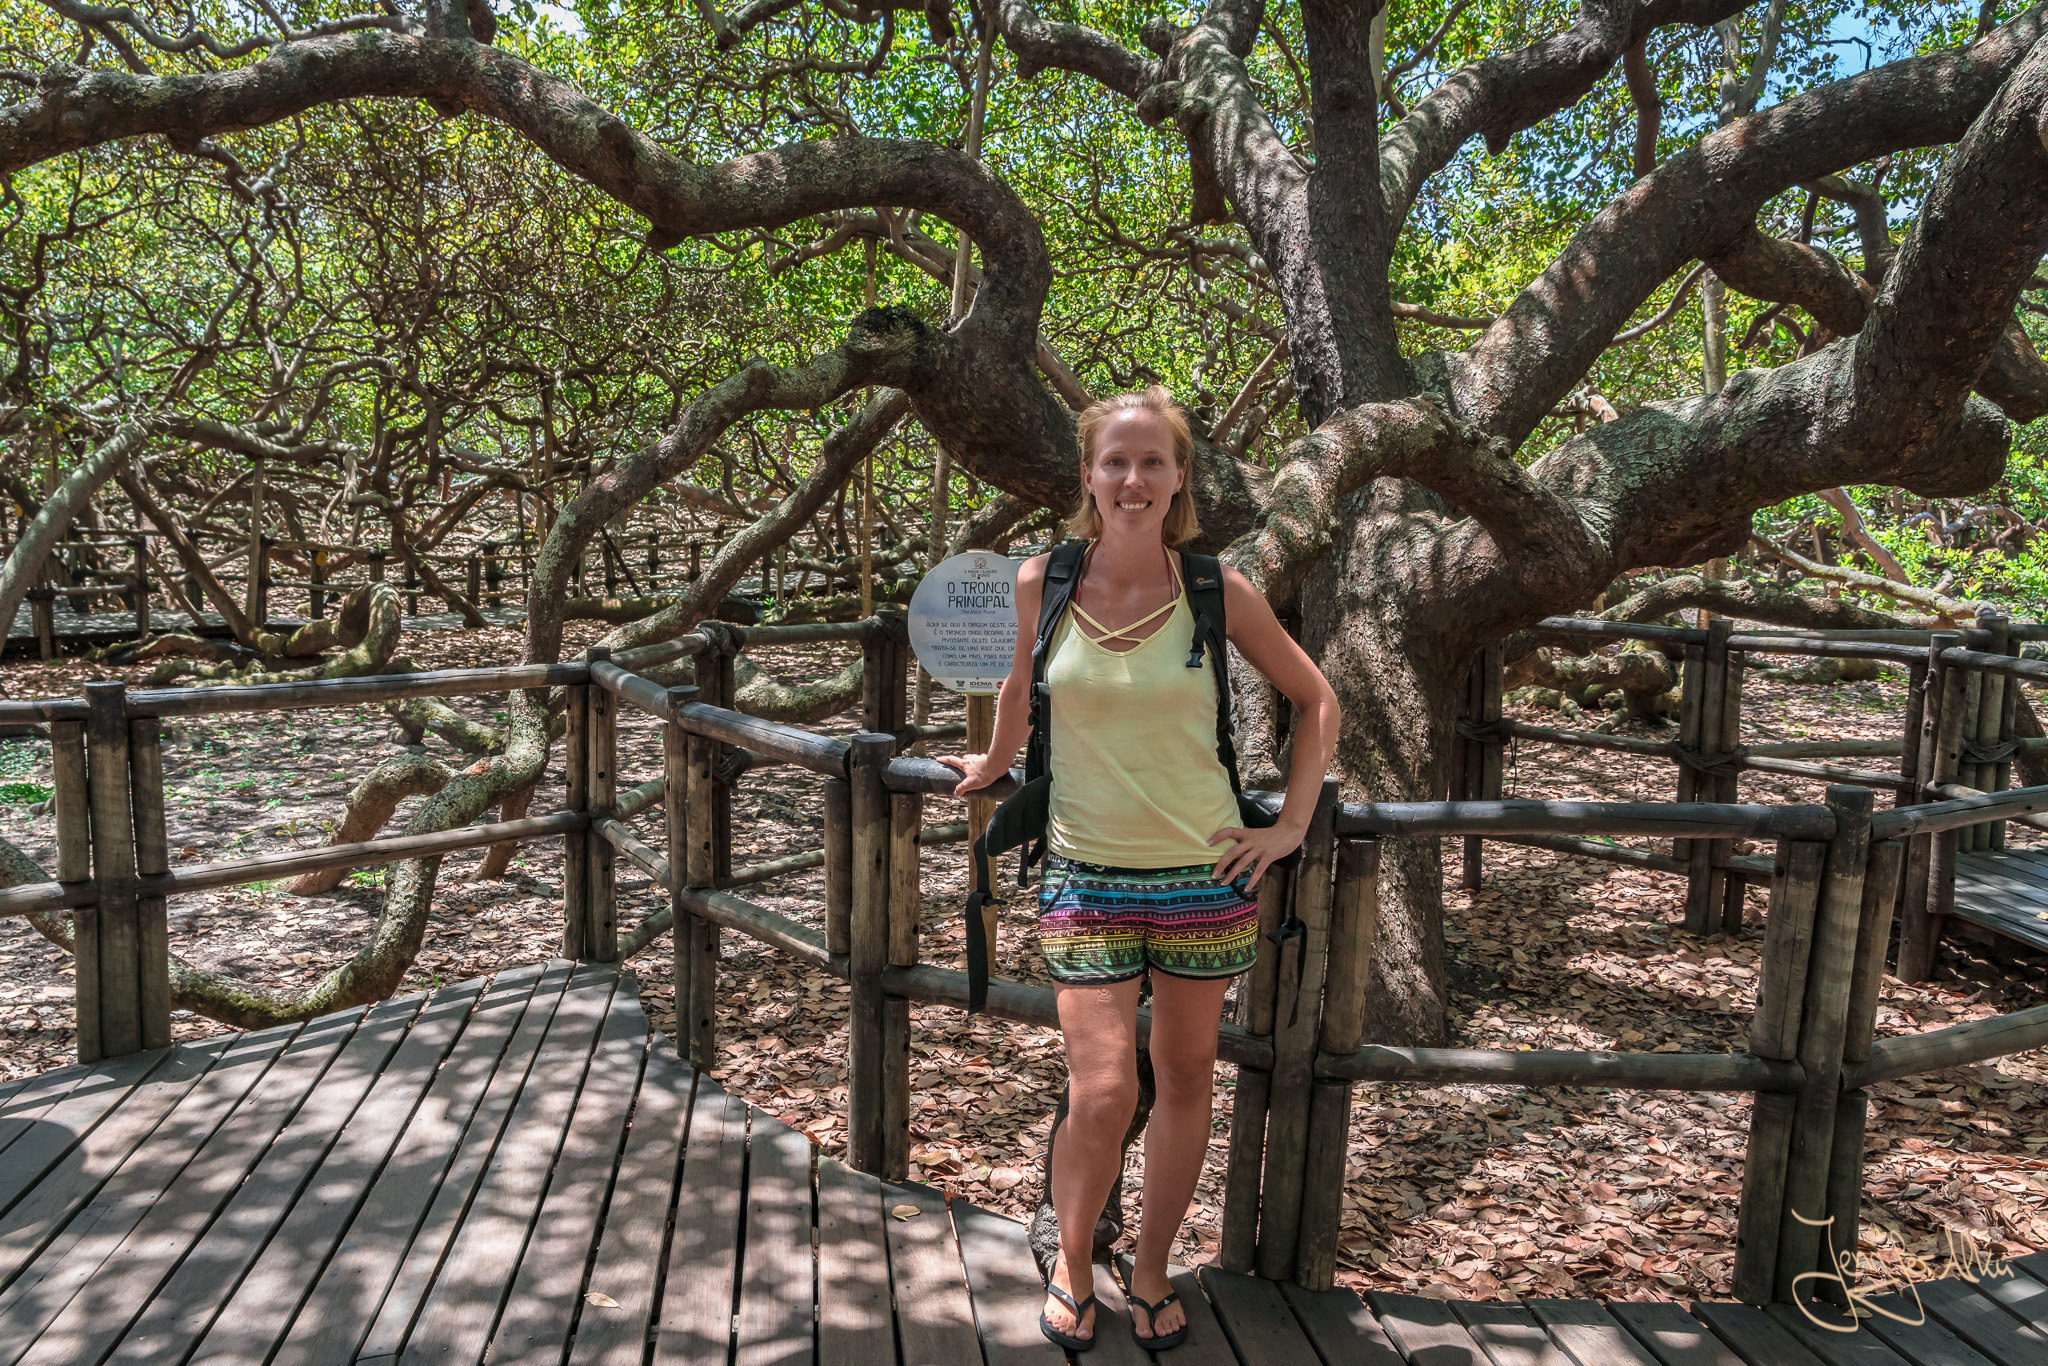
(1164, 1340)
(1054, 1335)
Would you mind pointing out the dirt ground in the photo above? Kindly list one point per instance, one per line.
(1461, 1191)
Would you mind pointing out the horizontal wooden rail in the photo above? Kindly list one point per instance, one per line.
(1659, 820)
(1957, 812)
(199, 877)
(29, 710)
(369, 853)
(349, 692)
(1617, 630)
(2033, 670)
(908, 773)
(643, 693)
(1029, 1003)
(1556, 1067)
(1906, 1055)
(785, 744)
(1957, 790)
(46, 896)
(1828, 773)
(1756, 643)
(1612, 853)
(805, 633)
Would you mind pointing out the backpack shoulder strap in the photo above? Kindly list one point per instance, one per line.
(1062, 576)
(1212, 625)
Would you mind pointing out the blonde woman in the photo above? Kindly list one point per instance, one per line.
(1151, 872)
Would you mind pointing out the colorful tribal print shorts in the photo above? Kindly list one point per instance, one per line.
(1099, 924)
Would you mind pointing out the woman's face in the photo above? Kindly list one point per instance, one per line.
(1134, 475)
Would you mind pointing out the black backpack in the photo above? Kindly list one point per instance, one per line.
(1022, 818)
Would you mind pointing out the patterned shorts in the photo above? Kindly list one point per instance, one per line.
(1099, 924)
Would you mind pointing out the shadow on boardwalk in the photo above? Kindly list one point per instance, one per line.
(520, 1170)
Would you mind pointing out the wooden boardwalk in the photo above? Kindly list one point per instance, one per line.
(2005, 890)
(520, 1171)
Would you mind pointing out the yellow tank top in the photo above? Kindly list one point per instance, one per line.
(1135, 778)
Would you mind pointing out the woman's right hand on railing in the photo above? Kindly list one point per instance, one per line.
(975, 769)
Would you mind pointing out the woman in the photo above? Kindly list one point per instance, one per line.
(1150, 871)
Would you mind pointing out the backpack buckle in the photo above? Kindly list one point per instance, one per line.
(1201, 635)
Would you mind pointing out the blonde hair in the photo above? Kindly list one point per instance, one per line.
(1085, 523)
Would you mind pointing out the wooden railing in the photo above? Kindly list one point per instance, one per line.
(1958, 741)
(1298, 1033)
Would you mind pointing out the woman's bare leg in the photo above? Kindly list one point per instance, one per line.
(1100, 1023)
(1185, 1013)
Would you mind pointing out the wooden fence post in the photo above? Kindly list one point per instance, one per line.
(686, 791)
(1909, 741)
(1774, 1033)
(1930, 859)
(1354, 917)
(1824, 1015)
(317, 576)
(1692, 680)
(141, 602)
(108, 936)
(867, 1073)
(72, 806)
(1296, 1019)
(1706, 860)
(1982, 737)
(252, 590)
(884, 650)
(2008, 733)
(838, 866)
(1852, 1111)
(1253, 1091)
(1728, 788)
(377, 558)
(1480, 748)
(906, 911)
(152, 859)
(42, 614)
(575, 847)
(259, 574)
(601, 758)
(494, 575)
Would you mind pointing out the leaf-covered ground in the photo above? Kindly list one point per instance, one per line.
(1470, 1191)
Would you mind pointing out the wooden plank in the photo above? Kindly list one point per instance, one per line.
(775, 1313)
(696, 1306)
(1114, 1345)
(406, 1289)
(1841, 1343)
(258, 1313)
(1256, 1319)
(2023, 1296)
(855, 1327)
(1980, 1322)
(1672, 1336)
(549, 1287)
(345, 1298)
(1424, 1330)
(1585, 1329)
(33, 1096)
(100, 1307)
(1508, 1333)
(1002, 1279)
(47, 1284)
(1754, 1335)
(42, 1147)
(67, 1185)
(185, 1304)
(1923, 1344)
(934, 1316)
(455, 1323)
(1337, 1322)
(628, 1264)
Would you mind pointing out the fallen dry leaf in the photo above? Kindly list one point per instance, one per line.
(600, 1299)
(906, 1211)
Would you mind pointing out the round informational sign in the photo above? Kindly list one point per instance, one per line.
(963, 621)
